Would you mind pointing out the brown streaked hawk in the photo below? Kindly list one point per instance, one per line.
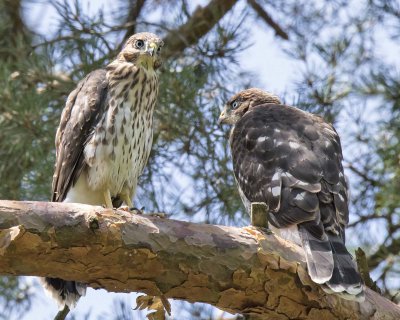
(105, 136)
(292, 161)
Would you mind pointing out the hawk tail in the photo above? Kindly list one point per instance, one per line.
(319, 256)
(345, 280)
(329, 263)
(64, 292)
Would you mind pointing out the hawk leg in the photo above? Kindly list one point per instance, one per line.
(107, 198)
(130, 208)
(129, 205)
(127, 199)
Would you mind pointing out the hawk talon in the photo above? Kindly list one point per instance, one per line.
(137, 210)
(161, 215)
(265, 230)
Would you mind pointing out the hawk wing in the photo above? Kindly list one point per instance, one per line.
(276, 147)
(291, 160)
(84, 108)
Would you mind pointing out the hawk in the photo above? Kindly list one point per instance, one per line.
(292, 161)
(105, 136)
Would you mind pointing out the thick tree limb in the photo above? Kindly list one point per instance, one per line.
(202, 21)
(236, 269)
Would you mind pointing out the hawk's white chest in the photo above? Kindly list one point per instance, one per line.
(119, 149)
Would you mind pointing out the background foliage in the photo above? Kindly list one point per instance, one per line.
(343, 61)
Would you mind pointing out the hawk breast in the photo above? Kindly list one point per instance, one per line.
(119, 148)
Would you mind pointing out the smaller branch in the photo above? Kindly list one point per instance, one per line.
(134, 14)
(55, 40)
(366, 218)
(364, 270)
(383, 252)
(110, 29)
(62, 314)
(268, 19)
(362, 175)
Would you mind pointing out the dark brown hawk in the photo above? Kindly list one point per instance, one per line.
(105, 136)
(292, 161)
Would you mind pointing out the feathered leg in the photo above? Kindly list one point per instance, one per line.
(107, 198)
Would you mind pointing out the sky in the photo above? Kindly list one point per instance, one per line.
(273, 74)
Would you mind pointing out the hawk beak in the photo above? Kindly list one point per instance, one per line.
(222, 117)
(152, 48)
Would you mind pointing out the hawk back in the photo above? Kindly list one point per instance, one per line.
(292, 160)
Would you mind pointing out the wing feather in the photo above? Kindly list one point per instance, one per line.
(292, 160)
(84, 108)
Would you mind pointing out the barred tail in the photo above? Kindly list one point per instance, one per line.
(64, 292)
(345, 278)
(320, 262)
(329, 263)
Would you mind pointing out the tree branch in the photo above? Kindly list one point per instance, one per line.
(202, 21)
(134, 13)
(240, 270)
(363, 175)
(383, 252)
(268, 19)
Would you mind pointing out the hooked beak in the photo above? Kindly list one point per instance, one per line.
(151, 48)
(222, 117)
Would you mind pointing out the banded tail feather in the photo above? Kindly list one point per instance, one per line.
(66, 293)
(329, 263)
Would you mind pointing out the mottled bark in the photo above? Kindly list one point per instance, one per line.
(236, 269)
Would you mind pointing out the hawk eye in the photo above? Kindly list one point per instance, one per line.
(159, 49)
(234, 104)
(139, 44)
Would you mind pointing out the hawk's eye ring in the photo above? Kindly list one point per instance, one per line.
(234, 104)
(159, 49)
(139, 44)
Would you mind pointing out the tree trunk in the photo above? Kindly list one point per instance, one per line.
(240, 270)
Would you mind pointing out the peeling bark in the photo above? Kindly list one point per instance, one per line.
(240, 270)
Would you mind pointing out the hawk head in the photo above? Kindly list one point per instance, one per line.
(241, 102)
(142, 49)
